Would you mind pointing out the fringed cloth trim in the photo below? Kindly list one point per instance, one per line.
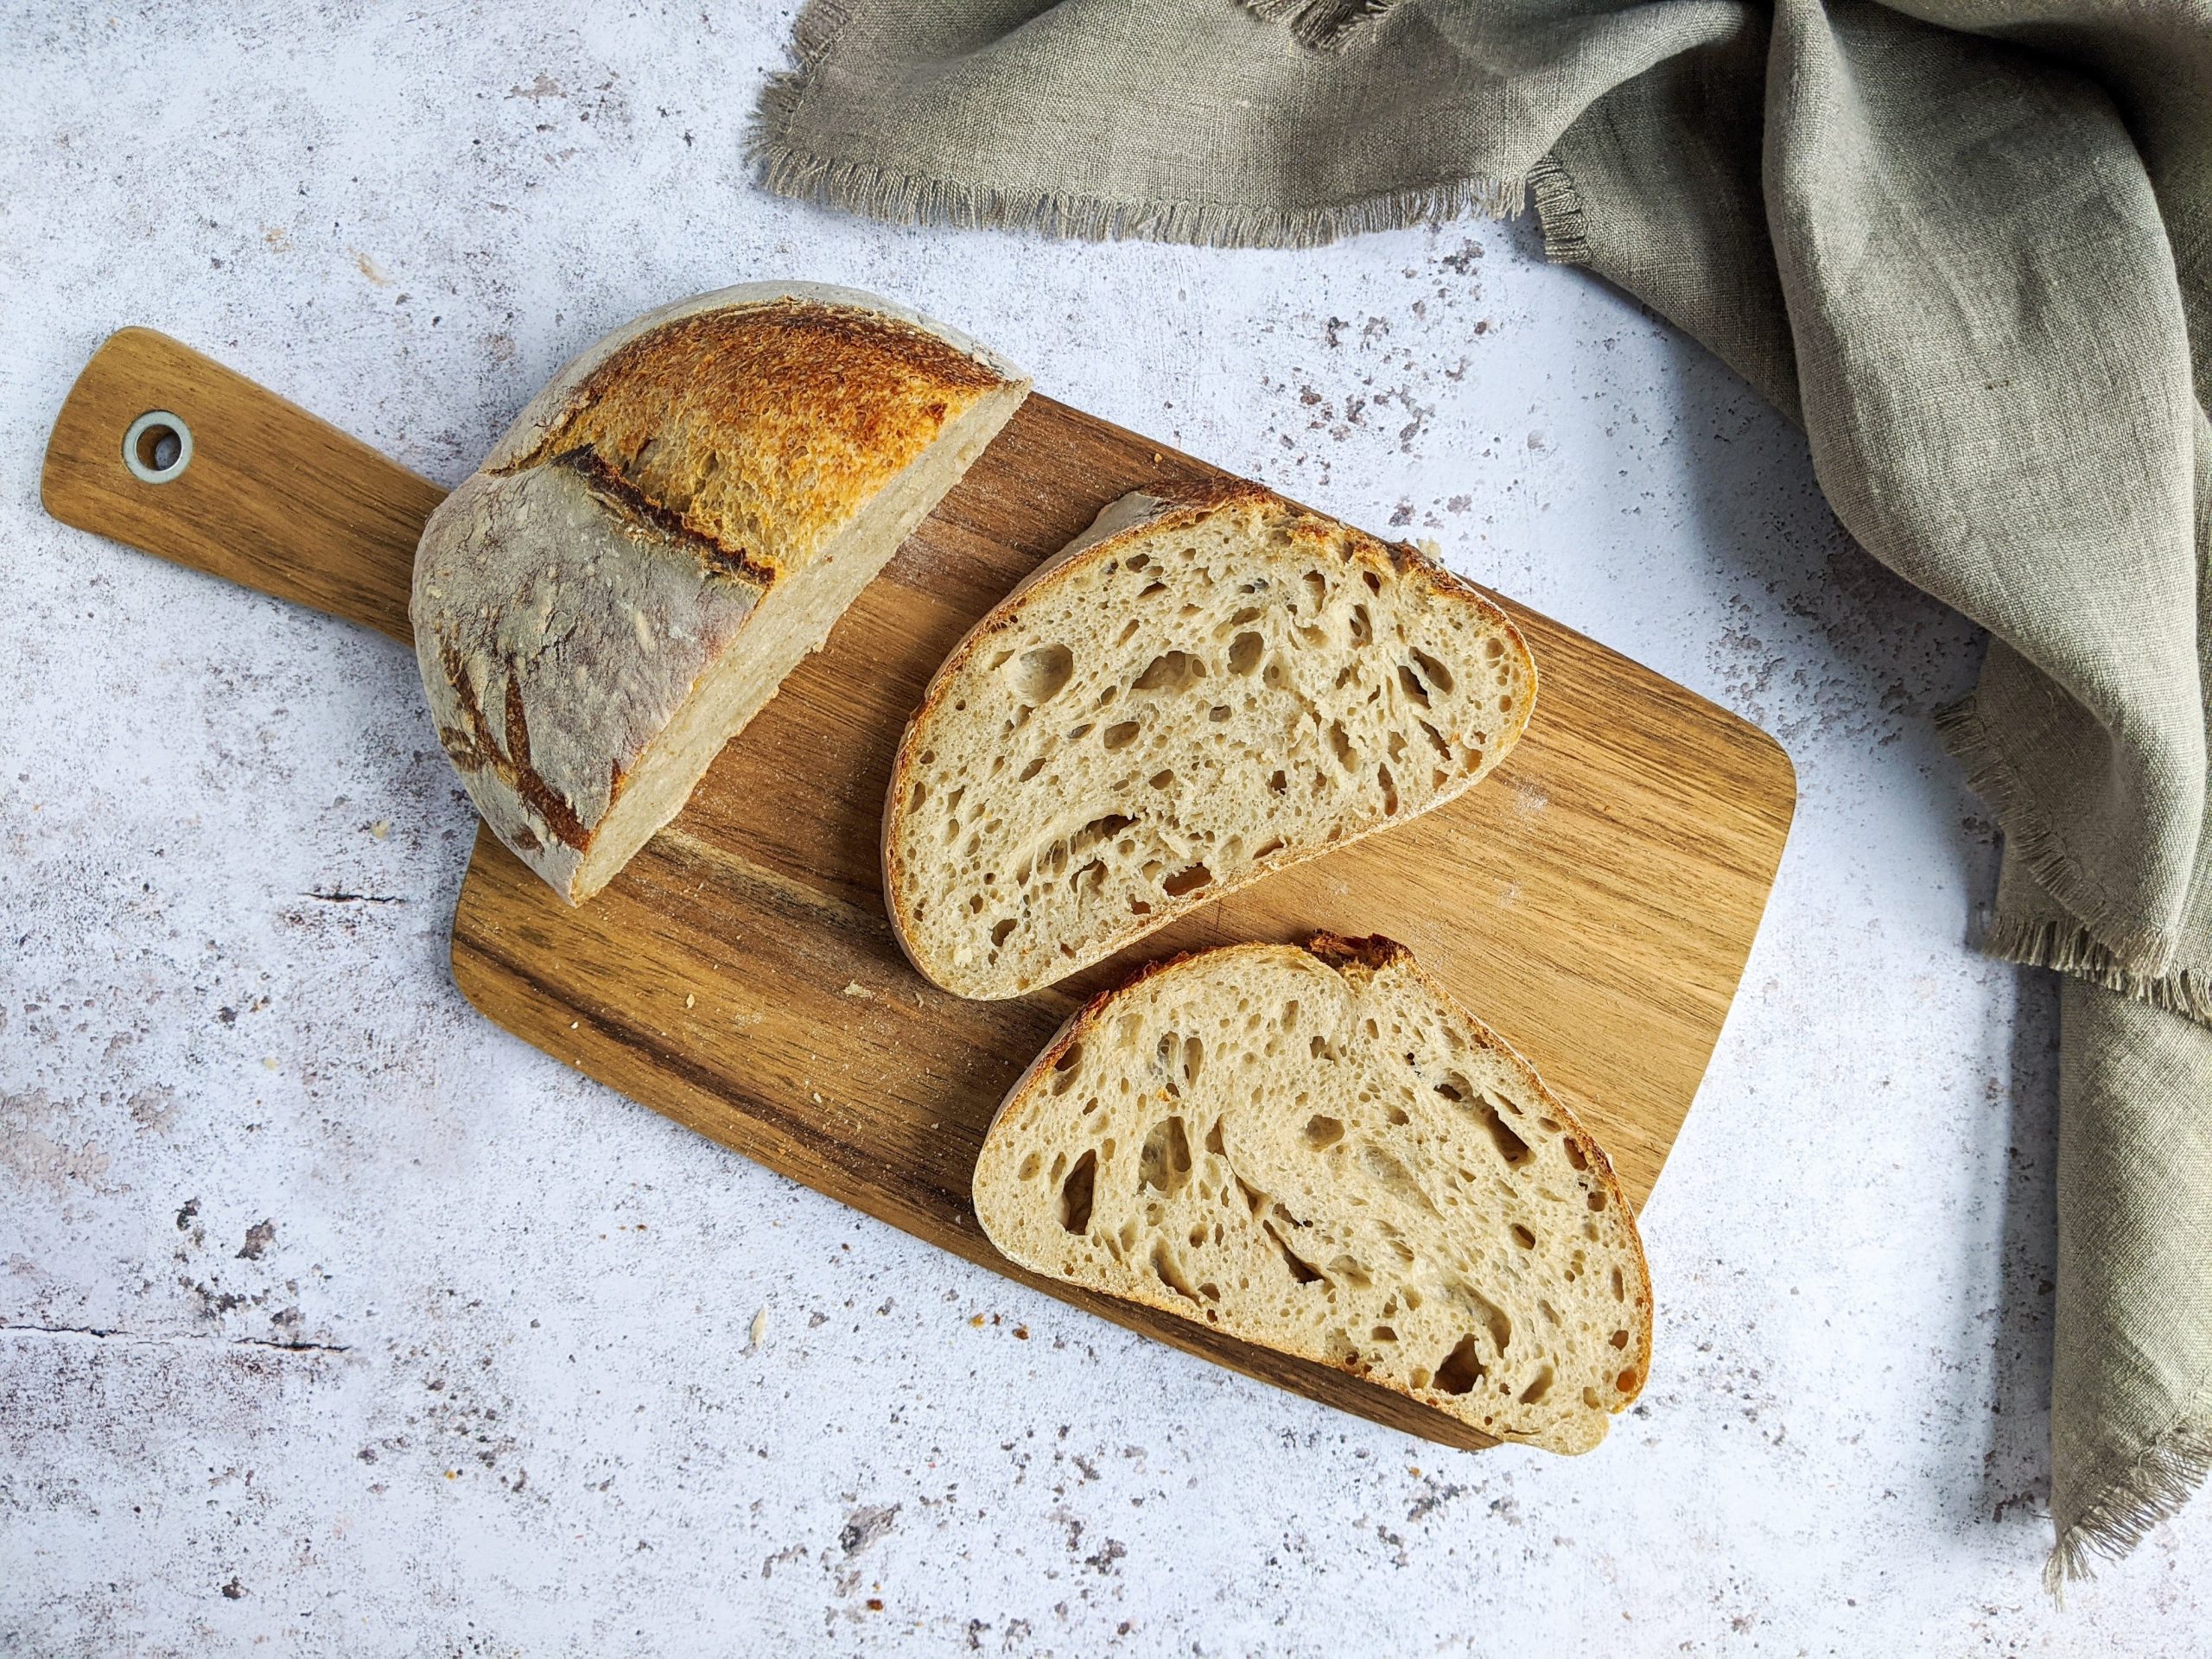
(2151, 1491)
(884, 193)
(2128, 956)
(1559, 210)
(903, 199)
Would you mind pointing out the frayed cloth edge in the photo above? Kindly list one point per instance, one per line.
(886, 194)
(2132, 953)
(1559, 211)
(2151, 1491)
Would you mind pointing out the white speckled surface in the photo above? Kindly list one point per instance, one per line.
(337, 1321)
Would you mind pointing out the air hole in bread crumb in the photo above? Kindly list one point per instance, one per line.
(1619, 1338)
(1409, 683)
(1027, 771)
(1029, 1166)
(1575, 1156)
(1244, 652)
(1001, 929)
(1462, 1368)
(1161, 779)
(1534, 1393)
(1277, 783)
(1511, 1147)
(1389, 791)
(1397, 1116)
(1213, 1139)
(1340, 746)
(1626, 1381)
(1598, 1199)
(1322, 1133)
(1301, 1271)
(1149, 590)
(1374, 582)
(1172, 670)
(1183, 882)
(1363, 627)
(1170, 1272)
(1076, 1194)
(1120, 736)
(1164, 1161)
(1317, 588)
(1523, 1237)
(1620, 1286)
(1382, 1333)
(1218, 713)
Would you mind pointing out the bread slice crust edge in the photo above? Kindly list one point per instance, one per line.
(1157, 510)
(1371, 954)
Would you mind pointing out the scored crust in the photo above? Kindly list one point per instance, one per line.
(671, 524)
(1147, 1083)
(913, 882)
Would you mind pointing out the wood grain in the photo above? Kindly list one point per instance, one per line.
(1594, 900)
(274, 498)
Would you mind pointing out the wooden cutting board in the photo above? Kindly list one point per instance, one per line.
(1594, 899)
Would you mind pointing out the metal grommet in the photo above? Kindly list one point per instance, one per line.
(157, 448)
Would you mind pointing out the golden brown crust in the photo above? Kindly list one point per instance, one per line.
(632, 532)
(1373, 952)
(761, 430)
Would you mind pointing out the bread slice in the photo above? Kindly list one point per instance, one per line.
(1208, 684)
(1319, 1151)
(670, 525)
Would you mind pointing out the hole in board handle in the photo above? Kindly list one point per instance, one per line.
(157, 448)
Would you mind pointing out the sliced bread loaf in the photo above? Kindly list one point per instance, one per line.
(1208, 684)
(670, 526)
(1319, 1151)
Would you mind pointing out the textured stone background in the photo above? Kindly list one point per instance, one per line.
(336, 1320)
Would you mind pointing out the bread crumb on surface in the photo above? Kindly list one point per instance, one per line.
(689, 1001)
(758, 1328)
(381, 829)
(853, 988)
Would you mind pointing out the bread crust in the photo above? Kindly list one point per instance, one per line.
(1142, 513)
(1367, 956)
(632, 529)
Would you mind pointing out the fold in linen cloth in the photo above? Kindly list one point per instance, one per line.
(1965, 245)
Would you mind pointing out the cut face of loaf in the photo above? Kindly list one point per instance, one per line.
(674, 521)
(1206, 687)
(1317, 1150)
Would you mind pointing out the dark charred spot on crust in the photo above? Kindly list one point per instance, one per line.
(612, 486)
(474, 748)
(1373, 952)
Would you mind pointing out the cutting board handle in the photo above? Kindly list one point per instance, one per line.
(171, 452)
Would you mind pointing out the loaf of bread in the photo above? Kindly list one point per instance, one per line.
(1208, 684)
(671, 524)
(1319, 1151)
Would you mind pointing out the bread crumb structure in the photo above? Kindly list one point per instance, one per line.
(1317, 1150)
(1208, 685)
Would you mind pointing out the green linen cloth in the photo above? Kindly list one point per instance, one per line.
(1966, 245)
